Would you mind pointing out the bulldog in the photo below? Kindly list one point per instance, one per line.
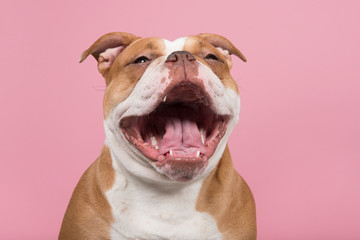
(165, 170)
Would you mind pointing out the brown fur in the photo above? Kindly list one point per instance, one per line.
(121, 81)
(226, 197)
(200, 48)
(88, 215)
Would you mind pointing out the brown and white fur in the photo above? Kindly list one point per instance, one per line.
(138, 188)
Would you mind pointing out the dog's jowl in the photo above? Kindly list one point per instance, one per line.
(165, 170)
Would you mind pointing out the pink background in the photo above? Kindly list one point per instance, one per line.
(297, 143)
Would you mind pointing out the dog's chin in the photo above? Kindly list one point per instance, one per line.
(180, 134)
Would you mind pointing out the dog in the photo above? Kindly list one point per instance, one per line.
(165, 171)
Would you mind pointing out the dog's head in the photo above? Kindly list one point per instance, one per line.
(169, 107)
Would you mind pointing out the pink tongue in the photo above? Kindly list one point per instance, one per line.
(182, 137)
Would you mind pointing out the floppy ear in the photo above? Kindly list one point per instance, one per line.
(223, 45)
(106, 49)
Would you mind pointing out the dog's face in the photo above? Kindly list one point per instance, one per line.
(169, 107)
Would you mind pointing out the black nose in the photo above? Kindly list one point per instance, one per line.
(180, 55)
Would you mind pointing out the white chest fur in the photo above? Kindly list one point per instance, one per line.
(145, 211)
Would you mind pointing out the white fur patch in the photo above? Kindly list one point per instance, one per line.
(177, 45)
(143, 210)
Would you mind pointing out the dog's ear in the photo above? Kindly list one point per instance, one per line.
(106, 49)
(223, 45)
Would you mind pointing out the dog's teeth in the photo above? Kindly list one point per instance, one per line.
(153, 141)
(171, 153)
(202, 134)
(197, 154)
(164, 100)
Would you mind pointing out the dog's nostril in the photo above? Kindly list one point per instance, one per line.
(190, 57)
(173, 57)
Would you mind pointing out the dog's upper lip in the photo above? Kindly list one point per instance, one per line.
(185, 92)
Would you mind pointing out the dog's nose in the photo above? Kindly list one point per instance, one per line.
(179, 56)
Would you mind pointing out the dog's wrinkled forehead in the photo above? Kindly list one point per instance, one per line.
(167, 46)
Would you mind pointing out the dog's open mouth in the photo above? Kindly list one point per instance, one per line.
(183, 127)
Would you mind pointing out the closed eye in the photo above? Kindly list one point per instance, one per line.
(141, 59)
(211, 56)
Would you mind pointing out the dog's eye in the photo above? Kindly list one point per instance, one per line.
(141, 59)
(211, 56)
